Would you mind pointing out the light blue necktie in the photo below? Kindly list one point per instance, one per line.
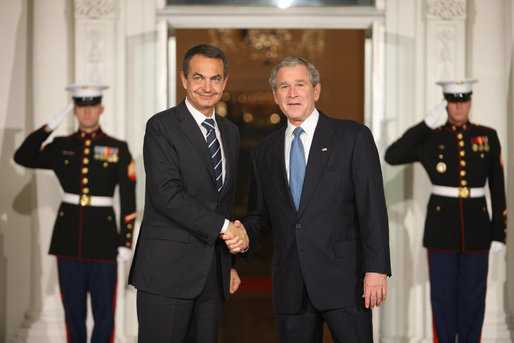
(296, 167)
(214, 148)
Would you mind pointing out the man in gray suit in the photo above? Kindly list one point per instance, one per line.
(181, 267)
(317, 186)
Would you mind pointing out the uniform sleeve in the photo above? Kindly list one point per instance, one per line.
(127, 188)
(406, 148)
(497, 189)
(31, 154)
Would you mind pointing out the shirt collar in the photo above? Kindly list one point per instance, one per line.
(198, 116)
(308, 125)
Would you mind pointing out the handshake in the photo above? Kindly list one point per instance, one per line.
(235, 237)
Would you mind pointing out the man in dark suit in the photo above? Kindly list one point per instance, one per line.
(89, 165)
(317, 186)
(181, 267)
(460, 158)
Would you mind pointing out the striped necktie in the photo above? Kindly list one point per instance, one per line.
(214, 148)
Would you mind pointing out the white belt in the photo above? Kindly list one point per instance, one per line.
(87, 200)
(458, 192)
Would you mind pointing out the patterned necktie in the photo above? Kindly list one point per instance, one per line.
(296, 167)
(214, 148)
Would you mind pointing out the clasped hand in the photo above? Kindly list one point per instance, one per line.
(235, 237)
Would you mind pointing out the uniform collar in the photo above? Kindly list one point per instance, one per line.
(90, 135)
(456, 128)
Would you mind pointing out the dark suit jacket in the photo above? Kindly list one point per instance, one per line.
(341, 229)
(184, 212)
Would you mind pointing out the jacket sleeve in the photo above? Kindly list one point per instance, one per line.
(370, 204)
(31, 154)
(256, 221)
(406, 148)
(497, 188)
(127, 189)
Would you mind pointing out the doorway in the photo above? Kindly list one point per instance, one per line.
(339, 56)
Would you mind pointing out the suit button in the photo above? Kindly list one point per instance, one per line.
(298, 226)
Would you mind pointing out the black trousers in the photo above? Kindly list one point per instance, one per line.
(173, 320)
(347, 325)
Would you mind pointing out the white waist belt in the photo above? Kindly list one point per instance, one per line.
(87, 200)
(458, 192)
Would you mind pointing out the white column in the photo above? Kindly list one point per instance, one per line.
(488, 61)
(50, 74)
(95, 54)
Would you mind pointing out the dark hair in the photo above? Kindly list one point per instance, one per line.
(206, 50)
(291, 62)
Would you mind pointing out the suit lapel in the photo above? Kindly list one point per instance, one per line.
(193, 133)
(321, 147)
(276, 161)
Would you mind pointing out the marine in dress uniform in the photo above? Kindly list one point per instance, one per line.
(460, 158)
(86, 240)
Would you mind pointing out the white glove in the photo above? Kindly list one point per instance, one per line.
(496, 246)
(433, 115)
(124, 254)
(59, 117)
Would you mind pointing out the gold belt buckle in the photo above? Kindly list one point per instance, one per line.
(463, 192)
(85, 200)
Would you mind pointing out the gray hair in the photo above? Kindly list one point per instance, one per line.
(291, 62)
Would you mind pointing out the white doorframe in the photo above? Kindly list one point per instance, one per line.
(364, 18)
(372, 19)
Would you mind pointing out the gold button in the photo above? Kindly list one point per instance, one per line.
(484, 209)
(85, 190)
(88, 142)
(462, 173)
(127, 244)
(61, 213)
(128, 235)
(84, 170)
(85, 160)
(463, 183)
(482, 155)
(454, 128)
(93, 135)
(441, 156)
(86, 151)
(462, 153)
(463, 163)
(66, 162)
(109, 218)
(82, 134)
(461, 143)
(129, 226)
(438, 208)
(106, 164)
(85, 181)
(459, 136)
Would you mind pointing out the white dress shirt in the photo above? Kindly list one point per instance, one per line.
(308, 126)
